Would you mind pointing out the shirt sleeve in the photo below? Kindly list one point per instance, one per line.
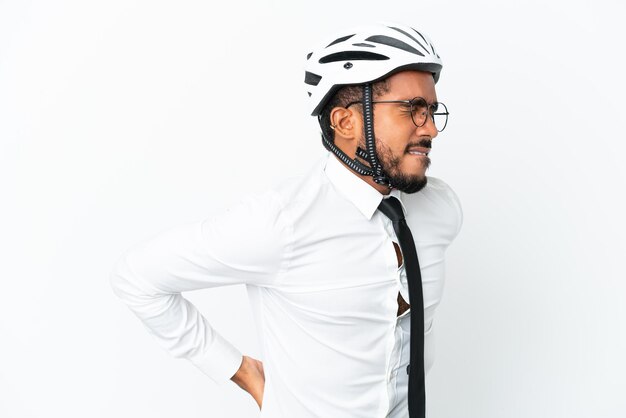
(246, 243)
(447, 206)
(458, 209)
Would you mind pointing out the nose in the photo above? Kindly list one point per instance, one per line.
(428, 128)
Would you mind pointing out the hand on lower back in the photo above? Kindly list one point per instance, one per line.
(251, 378)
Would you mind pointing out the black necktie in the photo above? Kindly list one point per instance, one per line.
(392, 208)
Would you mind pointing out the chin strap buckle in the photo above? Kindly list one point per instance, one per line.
(382, 180)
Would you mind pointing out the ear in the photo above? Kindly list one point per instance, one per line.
(345, 123)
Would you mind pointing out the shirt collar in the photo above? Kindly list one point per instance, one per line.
(362, 195)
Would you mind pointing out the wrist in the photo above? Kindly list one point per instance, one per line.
(240, 377)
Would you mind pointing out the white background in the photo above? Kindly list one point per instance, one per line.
(119, 119)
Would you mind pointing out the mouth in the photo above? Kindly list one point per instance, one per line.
(423, 151)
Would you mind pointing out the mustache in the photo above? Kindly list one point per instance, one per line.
(426, 143)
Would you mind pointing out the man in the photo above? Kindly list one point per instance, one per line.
(329, 258)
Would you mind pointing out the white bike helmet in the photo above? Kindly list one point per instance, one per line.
(363, 56)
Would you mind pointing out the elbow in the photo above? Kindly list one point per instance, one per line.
(122, 279)
(118, 277)
(133, 289)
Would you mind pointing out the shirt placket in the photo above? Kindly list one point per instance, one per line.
(395, 383)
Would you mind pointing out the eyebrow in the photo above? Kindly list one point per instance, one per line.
(427, 101)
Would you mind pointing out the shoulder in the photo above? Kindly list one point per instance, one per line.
(302, 190)
(437, 200)
(281, 194)
(441, 189)
(251, 235)
(269, 213)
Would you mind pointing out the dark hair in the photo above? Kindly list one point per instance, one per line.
(345, 95)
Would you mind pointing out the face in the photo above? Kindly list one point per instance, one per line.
(400, 145)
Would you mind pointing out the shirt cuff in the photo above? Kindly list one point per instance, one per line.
(221, 362)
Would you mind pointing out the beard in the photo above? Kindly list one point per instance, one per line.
(390, 163)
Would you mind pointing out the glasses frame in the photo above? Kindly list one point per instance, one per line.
(412, 103)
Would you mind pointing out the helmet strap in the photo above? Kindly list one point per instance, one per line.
(353, 164)
(378, 174)
(375, 170)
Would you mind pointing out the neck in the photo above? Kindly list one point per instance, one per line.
(382, 189)
(349, 148)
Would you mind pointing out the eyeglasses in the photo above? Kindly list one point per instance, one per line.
(419, 109)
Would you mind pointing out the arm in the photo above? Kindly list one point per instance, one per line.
(244, 244)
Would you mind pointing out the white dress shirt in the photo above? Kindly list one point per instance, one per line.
(322, 276)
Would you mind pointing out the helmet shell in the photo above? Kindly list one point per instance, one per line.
(364, 55)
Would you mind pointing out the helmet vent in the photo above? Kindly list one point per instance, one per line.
(421, 36)
(352, 56)
(393, 42)
(343, 38)
(364, 44)
(309, 55)
(410, 36)
(312, 79)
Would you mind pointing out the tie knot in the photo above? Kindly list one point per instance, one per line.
(391, 208)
